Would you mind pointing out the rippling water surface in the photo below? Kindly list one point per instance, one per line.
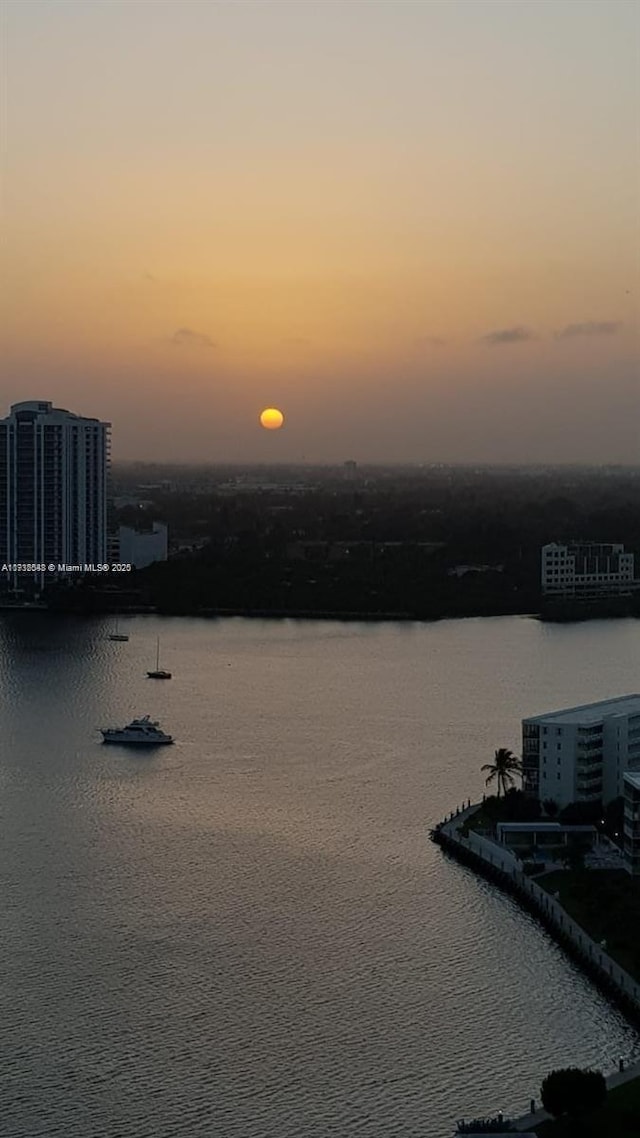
(248, 935)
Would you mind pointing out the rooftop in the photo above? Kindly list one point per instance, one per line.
(542, 828)
(590, 713)
(633, 777)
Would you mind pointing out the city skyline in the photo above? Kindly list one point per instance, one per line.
(412, 227)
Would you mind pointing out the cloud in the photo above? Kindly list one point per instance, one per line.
(187, 336)
(515, 335)
(590, 328)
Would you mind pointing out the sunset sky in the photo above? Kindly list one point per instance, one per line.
(412, 226)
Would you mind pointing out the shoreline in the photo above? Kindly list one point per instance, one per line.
(620, 988)
(110, 604)
(265, 614)
(349, 617)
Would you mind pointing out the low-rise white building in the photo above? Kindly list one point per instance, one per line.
(585, 569)
(631, 846)
(581, 754)
(545, 835)
(141, 547)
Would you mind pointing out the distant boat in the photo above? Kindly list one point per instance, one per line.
(158, 673)
(118, 635)
(143, 732)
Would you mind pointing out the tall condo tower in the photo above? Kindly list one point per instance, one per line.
(53, 487)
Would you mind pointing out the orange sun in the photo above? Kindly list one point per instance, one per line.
(271, 419)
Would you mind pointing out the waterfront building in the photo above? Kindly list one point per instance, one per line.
(141, 547)
(545, 836)
(53, 488)
(586, 570)
(631, 846)
(581, 754)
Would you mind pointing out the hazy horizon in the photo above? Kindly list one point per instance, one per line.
(415, 228)
(339, 464)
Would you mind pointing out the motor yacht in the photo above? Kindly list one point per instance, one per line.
(143, 732)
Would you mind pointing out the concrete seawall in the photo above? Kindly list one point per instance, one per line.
(503, 868)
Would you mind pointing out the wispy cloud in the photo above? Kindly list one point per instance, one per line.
(590, 328)
(191, 339)
(515, 335)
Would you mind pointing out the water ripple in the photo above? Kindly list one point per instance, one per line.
(249, 935)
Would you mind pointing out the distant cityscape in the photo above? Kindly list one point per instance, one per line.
(408, 542)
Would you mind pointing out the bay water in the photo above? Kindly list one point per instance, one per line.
(249, 934)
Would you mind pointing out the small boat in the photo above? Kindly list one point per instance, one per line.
(118, 635)
(143, 732)
(158, 673)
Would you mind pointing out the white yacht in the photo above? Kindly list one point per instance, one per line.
(116, 634)
(143, 732)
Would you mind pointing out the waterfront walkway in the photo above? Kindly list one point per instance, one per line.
(528, 1121)
(497, 861)
(502, 865)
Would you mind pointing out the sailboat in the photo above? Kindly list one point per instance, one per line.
(118, 635)
(158, 673)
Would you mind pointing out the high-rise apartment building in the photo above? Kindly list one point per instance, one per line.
(581, 754)
(631, 847)
(53, 487)
(585, 569)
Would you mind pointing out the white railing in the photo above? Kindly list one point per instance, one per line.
(500, 858)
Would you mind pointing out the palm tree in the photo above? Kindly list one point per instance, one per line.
(505, 764)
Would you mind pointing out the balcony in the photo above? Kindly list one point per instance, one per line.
(589, 783)
(592, 773)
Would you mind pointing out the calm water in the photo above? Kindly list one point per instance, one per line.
(248, 935)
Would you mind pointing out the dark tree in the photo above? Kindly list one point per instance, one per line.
(573, 1092)
(505, 764)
